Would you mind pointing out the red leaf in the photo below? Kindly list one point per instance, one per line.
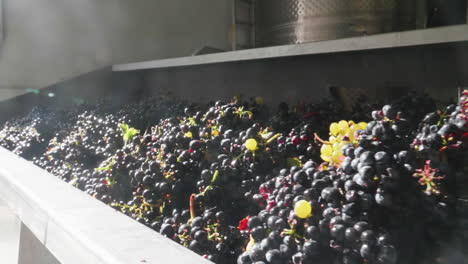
(243, 224)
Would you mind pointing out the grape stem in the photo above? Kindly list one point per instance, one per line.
(213, 181)
(215, 176)
(317, 138)
(192, 206)
(272, 138)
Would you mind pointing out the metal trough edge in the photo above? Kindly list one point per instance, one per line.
(77, 228)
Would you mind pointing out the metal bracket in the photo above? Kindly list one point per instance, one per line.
(243, 24)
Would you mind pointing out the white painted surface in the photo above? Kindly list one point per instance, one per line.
(32, 251)
(76, 228)
(9, 235)
(47, 41)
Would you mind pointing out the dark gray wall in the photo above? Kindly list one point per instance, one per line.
(83, 89)
(436, 69)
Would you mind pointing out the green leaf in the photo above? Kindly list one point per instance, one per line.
(236, 98)
(191, 121)
(212, 184)
(110, 181)
(124, 128)
(266, 134)
(294, 162)
(128, 132)
(108, 165)
(73, 181)
(240, 112)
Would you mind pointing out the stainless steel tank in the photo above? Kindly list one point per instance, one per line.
(297, 21)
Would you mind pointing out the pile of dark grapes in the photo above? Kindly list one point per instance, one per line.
(26, 136)
(237, 182)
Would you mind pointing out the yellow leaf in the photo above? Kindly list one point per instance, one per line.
(188, 135)
(250, 244)
(251, 144)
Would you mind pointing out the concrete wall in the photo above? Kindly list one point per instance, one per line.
(48, 41)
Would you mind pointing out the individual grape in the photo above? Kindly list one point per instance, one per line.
(303, 209)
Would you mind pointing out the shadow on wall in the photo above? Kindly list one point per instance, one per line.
(83, 89)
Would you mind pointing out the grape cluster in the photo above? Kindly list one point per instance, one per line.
(341, 134)
(27, 136)
(344, 201)
(208, 163)
(440, 145)
(237, 185)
